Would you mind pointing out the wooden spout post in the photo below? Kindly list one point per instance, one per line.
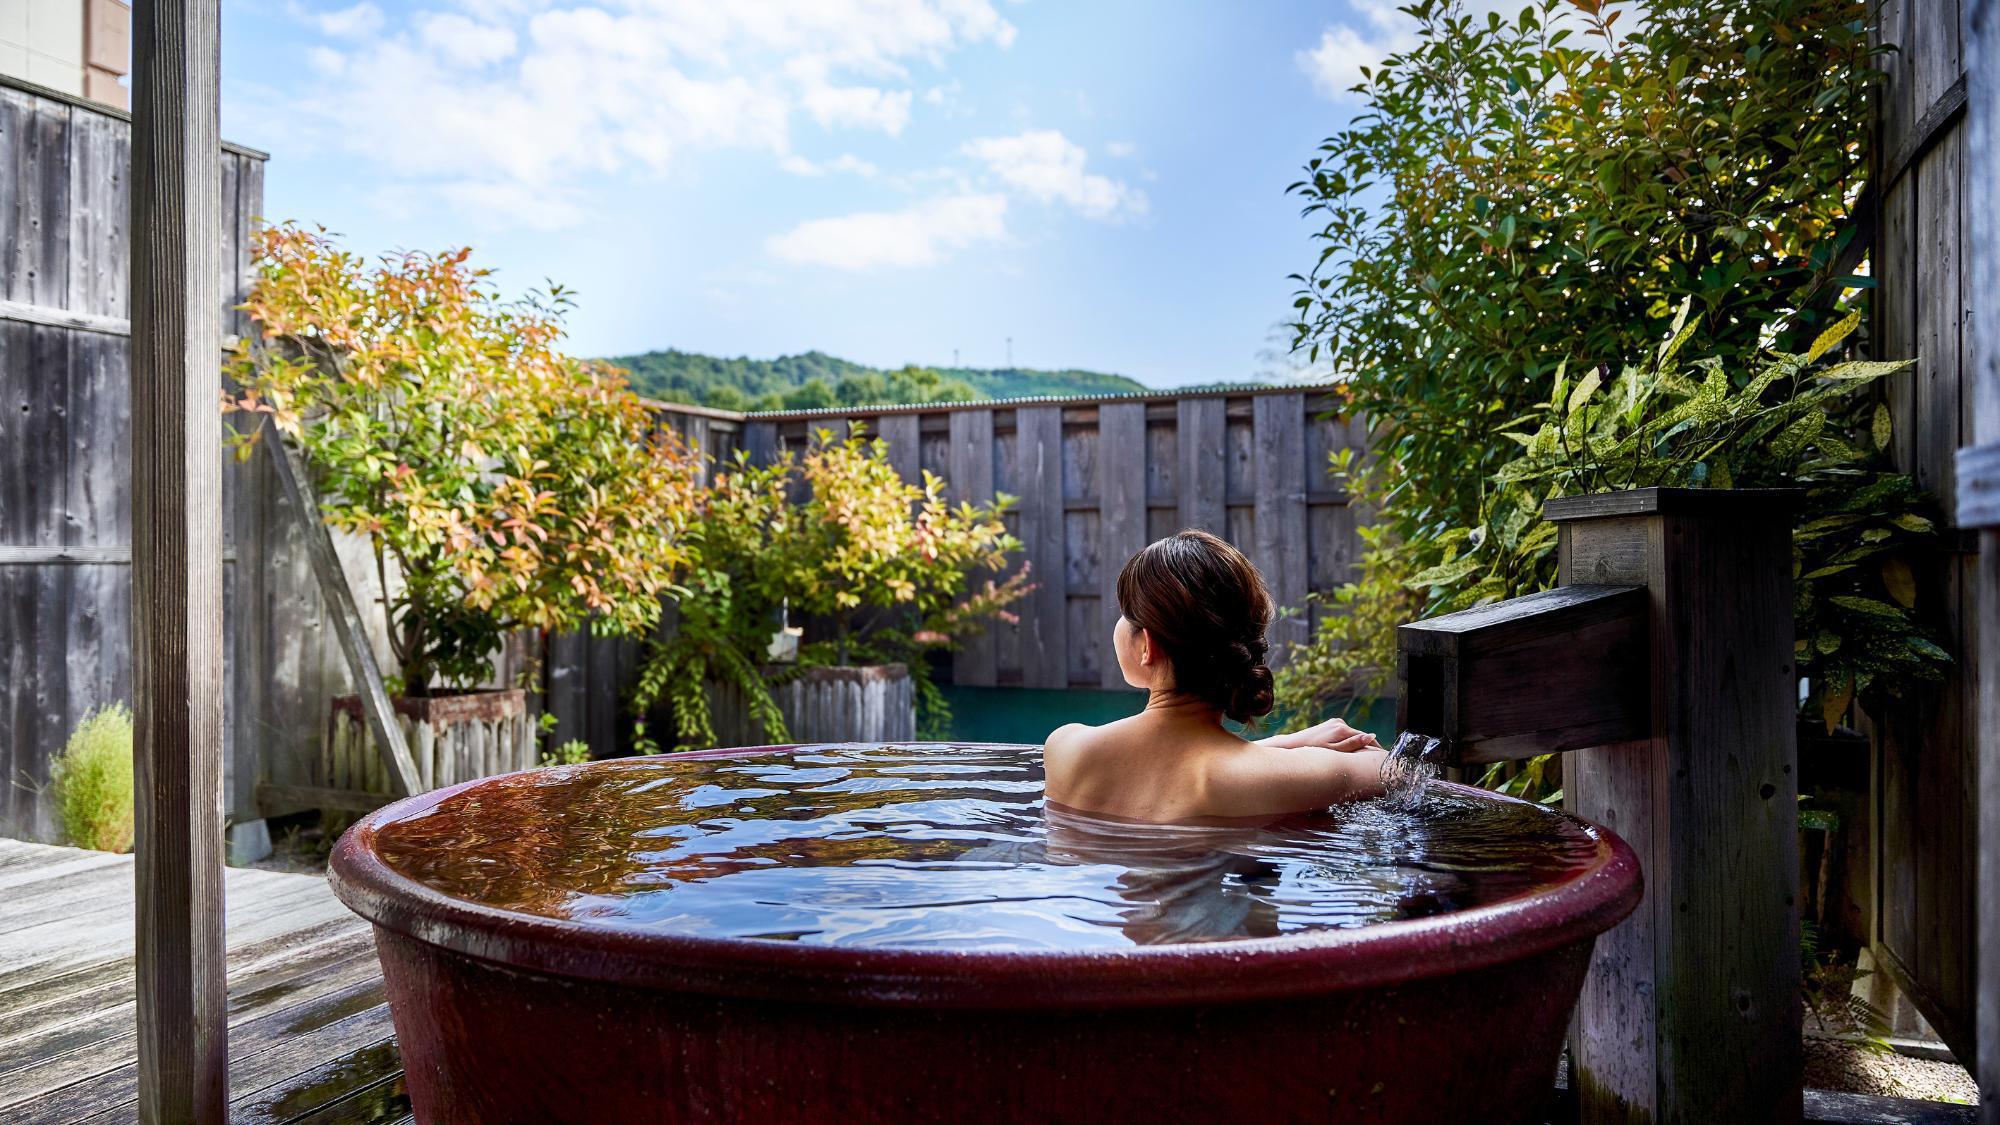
(1691, 1011)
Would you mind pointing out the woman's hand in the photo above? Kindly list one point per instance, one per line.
(1333, 734)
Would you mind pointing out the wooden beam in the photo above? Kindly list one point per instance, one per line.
(177, 639)
(347, 627)
(274, 799)
(1563, 669)
(1705, 975)
(24, 313)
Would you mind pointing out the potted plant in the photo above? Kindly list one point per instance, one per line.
(872, 570)
(499, 483)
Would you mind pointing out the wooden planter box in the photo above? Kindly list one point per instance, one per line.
(875, 703)
(453, 738)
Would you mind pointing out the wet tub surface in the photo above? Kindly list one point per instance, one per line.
(950, 847)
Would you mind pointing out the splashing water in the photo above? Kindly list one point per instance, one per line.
(1408, 770)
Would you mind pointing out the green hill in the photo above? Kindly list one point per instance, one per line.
(815, 379)
(1020, 382)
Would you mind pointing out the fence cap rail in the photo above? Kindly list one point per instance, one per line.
(882, 409)
(50, 93)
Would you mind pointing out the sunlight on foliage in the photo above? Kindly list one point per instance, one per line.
(510, 485)
(875, 568)
(91, 781)
(1552, 192)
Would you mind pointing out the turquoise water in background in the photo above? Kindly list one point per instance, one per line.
(1007, 714)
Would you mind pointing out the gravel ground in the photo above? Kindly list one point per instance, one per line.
(1833, 1065)
(298, 848)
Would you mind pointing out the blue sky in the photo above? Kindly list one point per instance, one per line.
(886, 180)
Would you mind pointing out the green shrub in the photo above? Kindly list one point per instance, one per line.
(877, 569)
(507, 484)
(1527, 195)
(575, 752)
(91, 781)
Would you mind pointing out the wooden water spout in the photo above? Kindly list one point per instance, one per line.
(1663, 663)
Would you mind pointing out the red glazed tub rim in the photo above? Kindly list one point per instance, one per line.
(1374, 956)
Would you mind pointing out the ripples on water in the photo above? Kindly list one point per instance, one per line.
(950, 847)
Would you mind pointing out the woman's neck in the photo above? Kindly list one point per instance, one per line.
(1169, 704)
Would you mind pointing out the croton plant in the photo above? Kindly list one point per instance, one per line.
(500, 483)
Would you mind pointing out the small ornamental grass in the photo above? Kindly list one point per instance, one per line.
(91, 781)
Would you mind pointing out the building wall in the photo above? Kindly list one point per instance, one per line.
(76, 47)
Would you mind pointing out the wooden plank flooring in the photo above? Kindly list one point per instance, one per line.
(309, 1036)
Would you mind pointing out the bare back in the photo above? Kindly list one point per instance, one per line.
(1175, 762)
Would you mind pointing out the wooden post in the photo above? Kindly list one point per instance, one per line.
(177, 561)
(1979, 507)
(1691, 1011)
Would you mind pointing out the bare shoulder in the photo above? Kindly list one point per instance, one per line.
(1068, 736)
(1080, 737)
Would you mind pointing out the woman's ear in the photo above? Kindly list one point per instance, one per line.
(1145, 648)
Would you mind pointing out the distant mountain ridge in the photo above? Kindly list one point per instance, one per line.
(815, 379)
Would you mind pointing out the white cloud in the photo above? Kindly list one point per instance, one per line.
(1121, 150)
(1049, 167)
(1383, 29)
(513, 107)
(846, 162)
(326, 60)
(358, 22)
(1334, 65)
(920, 235)
(461, 42)
(863, 107)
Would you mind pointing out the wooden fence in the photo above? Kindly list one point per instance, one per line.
(1925, 813)
(65, 454)
(65, 480)
(1094, 479)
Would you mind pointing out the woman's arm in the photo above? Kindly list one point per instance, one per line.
(1296, 779)
(1333, 734)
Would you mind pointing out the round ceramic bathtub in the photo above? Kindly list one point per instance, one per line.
(509, 1016)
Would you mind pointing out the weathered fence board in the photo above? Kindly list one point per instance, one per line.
(1201, 488)
(1924, 815)
(1037, 479)
(1121, 531)
(969, 473)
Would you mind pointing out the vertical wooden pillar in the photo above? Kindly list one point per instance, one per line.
(1979, 506)
(177, 560)
(1691, 1011)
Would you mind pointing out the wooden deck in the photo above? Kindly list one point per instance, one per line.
(309, 1033)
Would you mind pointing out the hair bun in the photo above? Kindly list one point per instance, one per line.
(1250, 697)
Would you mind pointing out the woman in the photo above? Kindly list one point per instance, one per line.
(1191, 632)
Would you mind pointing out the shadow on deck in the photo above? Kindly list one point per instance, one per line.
(309, 1033)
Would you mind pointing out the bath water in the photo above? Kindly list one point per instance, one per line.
(952, 847)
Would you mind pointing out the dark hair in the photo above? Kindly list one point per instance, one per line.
(1205, 605)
